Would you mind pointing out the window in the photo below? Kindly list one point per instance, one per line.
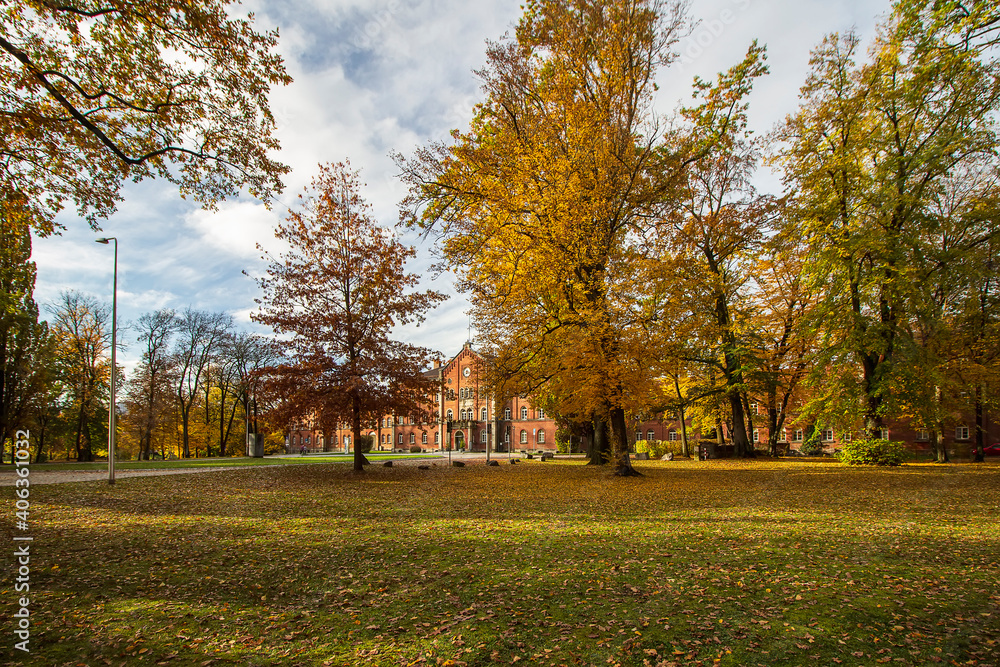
(400, 438)
(846, 436)
(672, 435)
(506, 414)
(451, 414)
(307, 440)
(756, 435)
(783, 436)
(797, 435)
(884, 434)
(506, 436)
(962, 433)
(828, 435)
(541, 413)
(524, 437)
(524, 414)
(753, 408)
(638, 436)
(923, 435)
(482, 414)
(541, 436)
(423, 437)
(482, 436)
(437, 438)
(413, 438)
(347, 439)
(649, 435)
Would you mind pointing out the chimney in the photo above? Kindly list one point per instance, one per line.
(437, 363)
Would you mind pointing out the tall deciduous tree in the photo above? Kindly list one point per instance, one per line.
(26, 369)
(337, 294)
(93, 93)
(83, 337)
(149, 385)
(545, 204)
(199, 337)
(867, 152)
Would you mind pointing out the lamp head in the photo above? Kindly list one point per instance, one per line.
(102, 240)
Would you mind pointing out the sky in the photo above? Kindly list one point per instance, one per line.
(371, 77)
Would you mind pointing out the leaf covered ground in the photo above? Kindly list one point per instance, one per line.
(721, 563)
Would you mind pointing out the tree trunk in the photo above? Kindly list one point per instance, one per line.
(619, 441)
(685, 449)
(978, 455)
(359, 458)
(599, 445)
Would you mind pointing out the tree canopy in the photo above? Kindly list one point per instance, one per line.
(96, 93)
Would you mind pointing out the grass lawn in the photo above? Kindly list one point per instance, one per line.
(217, 462)
(718, 563)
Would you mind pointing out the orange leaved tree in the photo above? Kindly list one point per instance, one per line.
(334, 298)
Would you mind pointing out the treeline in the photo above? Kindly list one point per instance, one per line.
(621, 262)
(194, 391)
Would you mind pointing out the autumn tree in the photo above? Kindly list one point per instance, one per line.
(866, 153)
(83, 339)
(149, 390)
(544, 205)
(26, 346)
(714, 239)
(200, 335)
(785, 335)
(95, 93)
(251, 355)
(334, 299)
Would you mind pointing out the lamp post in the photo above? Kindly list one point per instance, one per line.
(114, 368)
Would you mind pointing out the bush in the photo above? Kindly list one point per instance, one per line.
(415, 449)
(872, 453)
(813, 446)
(657, 448)
(365, 443)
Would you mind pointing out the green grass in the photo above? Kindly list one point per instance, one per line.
(219, 462)
(720, 563)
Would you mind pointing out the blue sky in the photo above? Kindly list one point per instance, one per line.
(372, 77)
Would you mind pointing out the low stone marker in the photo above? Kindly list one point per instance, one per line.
(513, 461)
(423, 467)
(547, 456)
(642, 456)
(387, 464)
(458, 464)
(669, 456)
(492, 462)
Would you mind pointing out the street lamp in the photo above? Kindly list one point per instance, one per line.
(114, 367)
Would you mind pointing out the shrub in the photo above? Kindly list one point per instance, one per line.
(872, 453)
(657, 448)
(415, 449)
(365, 443)
(813, 446)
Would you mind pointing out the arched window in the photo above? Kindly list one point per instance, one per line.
(541, 413)
(524, 437)
(482, 414)
(524, 412)
(506, 414)
(451, 415)
(423, 437)
(541, 435)
(400, 438)
(437, 438)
